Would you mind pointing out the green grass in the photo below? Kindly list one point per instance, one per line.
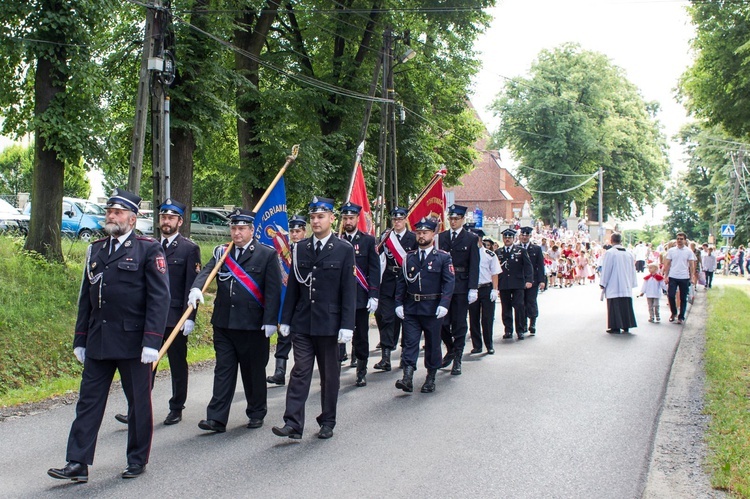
(728, 399)
(38, 308)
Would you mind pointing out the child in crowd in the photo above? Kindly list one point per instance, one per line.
(552, 271)
(562, 272)
(653, 287)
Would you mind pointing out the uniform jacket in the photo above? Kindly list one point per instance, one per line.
(183, 264)
(434, 277)
(517, 268)
(537, 262)
(390, 276)
(326, 299)
(121, 307)
(368, 261)
(235, 307)
(465, 255)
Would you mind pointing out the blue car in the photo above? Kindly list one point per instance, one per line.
(81, 218)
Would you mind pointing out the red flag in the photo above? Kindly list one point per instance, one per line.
(431, 204)
(359, 196)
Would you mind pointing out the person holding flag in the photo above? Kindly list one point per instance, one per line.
(394, 244)
(246, 312)
(367, 272)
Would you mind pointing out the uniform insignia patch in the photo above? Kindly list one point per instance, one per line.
(450, 267)
(127, 244)
(197, 267)
(161, 264)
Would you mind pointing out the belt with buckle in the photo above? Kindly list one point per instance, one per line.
(486, 285)
(460, 269)
(418, 297)
(394, 268)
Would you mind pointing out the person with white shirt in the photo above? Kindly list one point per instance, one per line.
(679, 270)
(709, 265)
(482, 311)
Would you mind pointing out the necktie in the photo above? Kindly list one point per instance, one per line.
(318, 247)
(239, 252)
(165, 244)
(421, 257)
(453, 237)
(398, 236)
(113, 245)
(349, 237)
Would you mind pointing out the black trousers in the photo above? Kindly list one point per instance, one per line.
(482, 319)
(414, 326)
(454, 327)
(529, 299)
(674, 285)
(92, 400)
(283, 346)
(512, 301)
(178, 367)
(709, 278)
(249, 351)
(308, 349)
(388, 324)
(361, 339)
(640, 265)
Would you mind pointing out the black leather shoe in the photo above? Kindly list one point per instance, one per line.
(286, 431)
(507, 336)
(476, 350)
(613, 331)
(490, 351)
(122, 418)
(325, 432)
(77, 472)
(447, 360)
(211, 425)
(353, 363)
(173, 417)
(133, 470)
(255, 423)
(520, 336)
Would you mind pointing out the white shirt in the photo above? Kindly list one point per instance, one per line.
(680, 258)
(119, 240)
(488, 266)
(322, 241)
(169, 239)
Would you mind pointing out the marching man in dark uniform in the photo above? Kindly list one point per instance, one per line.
(537, 262)
(121, 320)
(297, 232)
(245, 316)
(183, 264)
(464, 250)
(423, 296)
(319, 310)
(482, 311)
(394, 244)
(516, 276)
(368, 283)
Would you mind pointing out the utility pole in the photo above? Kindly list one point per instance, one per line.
(601, 205)
(383, 156)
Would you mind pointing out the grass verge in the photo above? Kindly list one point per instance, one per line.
(728, 399)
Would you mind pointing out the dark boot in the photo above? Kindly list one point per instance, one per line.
(429, 383)
(385, 361)
(353, 363)
(279, 376)
(361, 372)
(532, 326)
(457, 364)
(448, 359)
(407, 382)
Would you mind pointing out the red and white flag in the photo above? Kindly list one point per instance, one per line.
(359, 196)
(431, 203)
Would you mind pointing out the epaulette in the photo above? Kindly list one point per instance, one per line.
(100, 240)
(146, 238)
(489, 252)
(442, 251)
(412, 251)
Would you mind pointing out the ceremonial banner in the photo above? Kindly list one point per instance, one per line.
(430, 203)
(272, 229)
(359, 196)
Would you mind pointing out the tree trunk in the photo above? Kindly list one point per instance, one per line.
(183, 147)
(49, 170)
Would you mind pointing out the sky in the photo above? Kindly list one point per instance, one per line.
(648, 39)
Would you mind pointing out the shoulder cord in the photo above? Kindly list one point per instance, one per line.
(93, 278)
(408, 279)
(307, 281)
(221, 276)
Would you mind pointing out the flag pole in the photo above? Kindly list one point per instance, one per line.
(289, 160)
(357, 159)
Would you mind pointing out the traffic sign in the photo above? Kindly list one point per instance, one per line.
(727, 230)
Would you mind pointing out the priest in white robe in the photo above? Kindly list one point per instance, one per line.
(618, 279)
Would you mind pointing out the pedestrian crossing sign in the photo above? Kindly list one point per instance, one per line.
(727, 230)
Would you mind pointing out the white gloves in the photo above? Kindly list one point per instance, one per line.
(400, 312)
(284, 329)
(473, 295)
(188, 327)
(345, 335)
(194, 297)
(149, 355)
(80, 353)
(493, 295)
(441, 312)
(269, 329)
(372, 305)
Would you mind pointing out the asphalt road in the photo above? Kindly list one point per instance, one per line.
(568, 413)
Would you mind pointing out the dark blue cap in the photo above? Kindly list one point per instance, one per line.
(124, 200)
(320, 204)
(457, 209)
(478, 232)
(241, 217)
(470, 225)
(527, 230)
(399, 211)
(509, 232)
(426, 224)
(297, 222)
(172, 207)
(350, 209)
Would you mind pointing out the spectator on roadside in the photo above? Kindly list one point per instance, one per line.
(709, 266)
(679, 269)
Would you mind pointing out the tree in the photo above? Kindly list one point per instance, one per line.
(577, 112)
(16, 165)
(682, 215)
(49, 84)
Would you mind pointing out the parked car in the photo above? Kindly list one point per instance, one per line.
(80, 218)
(208, 223)
(144, 224)
(12, 220)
